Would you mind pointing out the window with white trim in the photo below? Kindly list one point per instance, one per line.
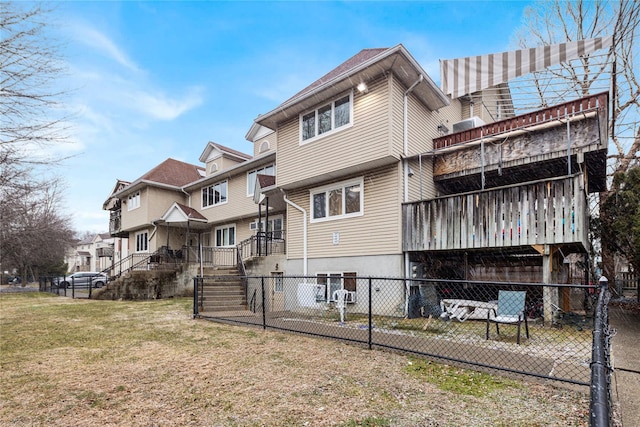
(339, 200)
(251, 177)
(331, 282)
(326, 119)
(142, 242)
(133, 201)
(225, 236)
(214, 194)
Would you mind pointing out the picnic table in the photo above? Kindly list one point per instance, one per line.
(463, 309)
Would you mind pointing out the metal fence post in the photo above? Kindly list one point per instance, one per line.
(370, 340)
(195, 297)
(264, 314)
(599, 413)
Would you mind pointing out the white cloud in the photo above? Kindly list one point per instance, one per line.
(93, 38)
(162, 107)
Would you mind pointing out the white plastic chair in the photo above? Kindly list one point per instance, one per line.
(340, 297)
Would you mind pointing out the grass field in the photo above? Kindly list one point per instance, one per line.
(113, 363)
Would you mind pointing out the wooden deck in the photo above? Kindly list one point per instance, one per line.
(552, 211)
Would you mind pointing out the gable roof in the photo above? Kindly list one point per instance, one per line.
(191, 212)
(365, 66)
(173, 172)
(113, 202)
(357, 59)
(262, 182)
(181, 215)
(223, 150)
(170, 173)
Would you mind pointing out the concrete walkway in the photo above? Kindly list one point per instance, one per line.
(625, 354)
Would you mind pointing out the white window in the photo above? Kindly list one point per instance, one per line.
(133, 201)
(251, 177)
(331, 282)
(225, 236)
(326, 119)
(214, 194)
(142, 242)
(335, 201)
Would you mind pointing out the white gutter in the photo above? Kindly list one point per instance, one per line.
(304, 233)
(405, 119)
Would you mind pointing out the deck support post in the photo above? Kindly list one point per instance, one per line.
(549, 293)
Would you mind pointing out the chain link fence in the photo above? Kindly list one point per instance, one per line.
(76, 285)
(601, 413)
(542, 330)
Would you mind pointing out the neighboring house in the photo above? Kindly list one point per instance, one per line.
(137, 206)
(372, 170)
(105, 250)
(93, 253)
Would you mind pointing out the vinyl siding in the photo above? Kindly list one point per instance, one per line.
(376, 232)
(272, 139)
(396, 103)
(238, 203)
(154, 202)
(367, 140)
(421, 184)
(422, 129)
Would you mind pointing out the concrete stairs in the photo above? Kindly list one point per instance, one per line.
(223, 291)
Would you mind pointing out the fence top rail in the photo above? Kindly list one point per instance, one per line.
(427, 281)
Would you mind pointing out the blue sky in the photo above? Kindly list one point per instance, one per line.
(153, 80)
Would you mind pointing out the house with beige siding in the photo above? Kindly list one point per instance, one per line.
(135, 207)
(344, 149)
(372, 170)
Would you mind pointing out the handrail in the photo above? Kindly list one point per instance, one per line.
(241, 270)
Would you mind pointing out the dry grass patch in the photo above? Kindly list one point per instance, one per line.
(84, 362)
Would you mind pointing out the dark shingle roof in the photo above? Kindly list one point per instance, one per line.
(266, 180)
(192, 213)
(173, 172)
(363, 56)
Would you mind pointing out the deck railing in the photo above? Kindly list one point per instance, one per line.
(549, 211)
(571, 108)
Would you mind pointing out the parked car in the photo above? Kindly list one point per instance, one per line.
(82, 280)
(14, 280)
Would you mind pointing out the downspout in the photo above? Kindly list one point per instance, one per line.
(405, 119)
(188, 196)
(304, 233)
(406, 136)
(155, 228)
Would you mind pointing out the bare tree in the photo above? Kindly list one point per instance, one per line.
(35, 231)
(32, 119)
(550, 22)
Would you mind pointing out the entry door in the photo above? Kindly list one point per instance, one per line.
(276, 288)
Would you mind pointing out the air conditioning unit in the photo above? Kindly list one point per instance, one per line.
(350, 297)
(467, 124)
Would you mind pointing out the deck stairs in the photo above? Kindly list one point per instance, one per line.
(223, 291)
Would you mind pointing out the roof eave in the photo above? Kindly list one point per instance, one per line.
(429, 93)
(136, 185)
(240, 167)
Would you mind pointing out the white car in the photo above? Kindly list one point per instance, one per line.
(82, 280)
